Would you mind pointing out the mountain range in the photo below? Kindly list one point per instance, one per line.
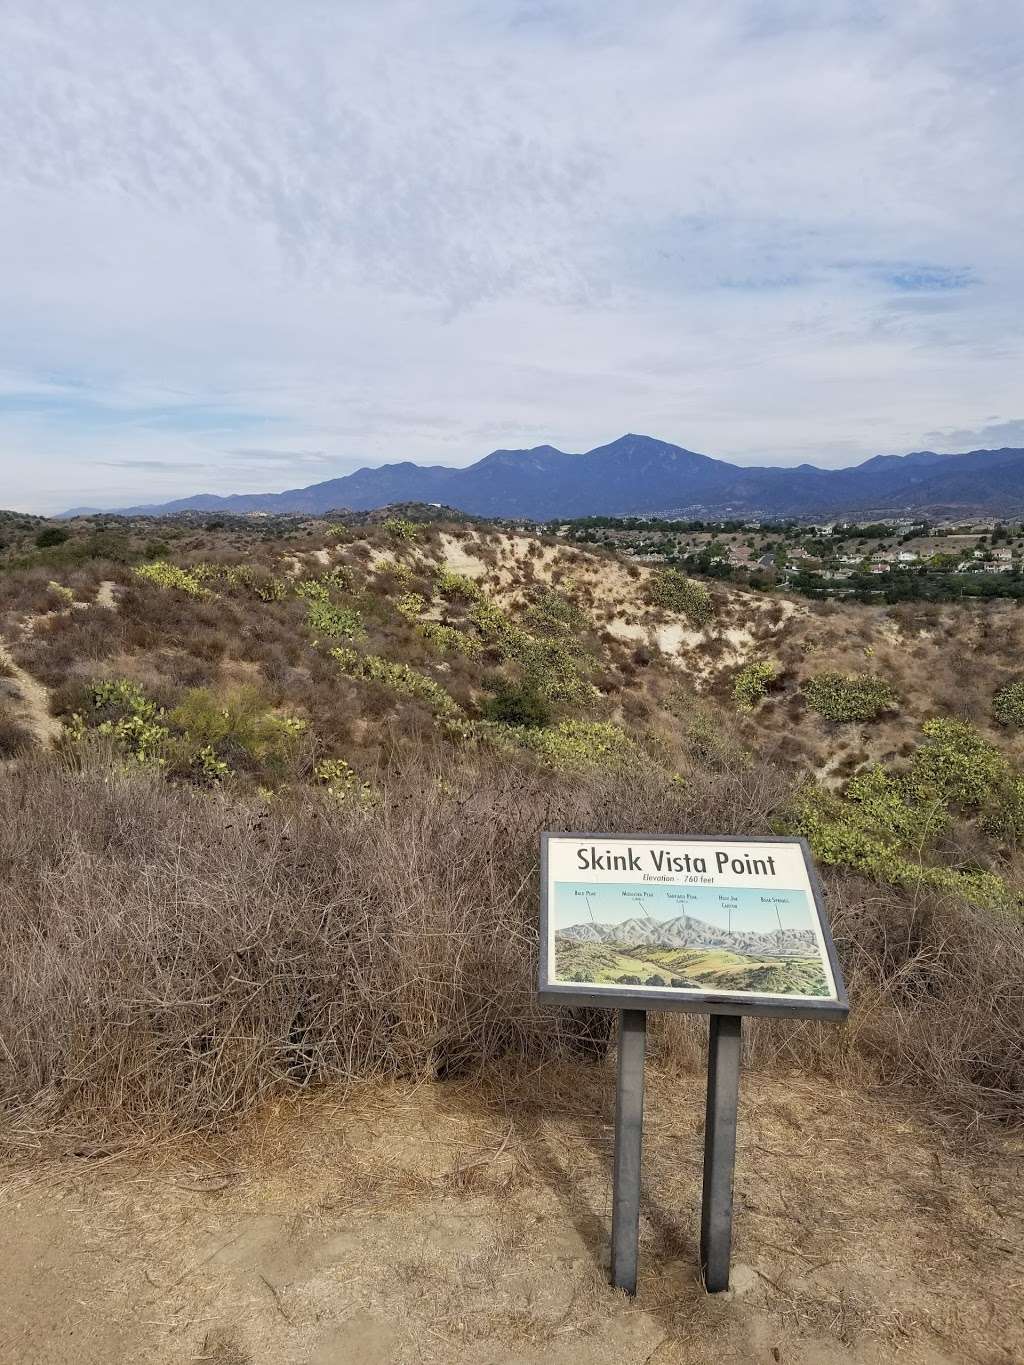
(685, 931)
(642, 476)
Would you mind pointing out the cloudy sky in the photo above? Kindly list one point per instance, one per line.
(249, 245)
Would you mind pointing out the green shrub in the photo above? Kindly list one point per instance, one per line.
(450, 640)
(551, 666)
(846, 697)
(878, 832)
(398, 677)
(342, 781)
(457, 587)
(321, 587)
(400, 527)
(63, 594)
(260, 582)
(567, 745)
(956, 765)
(50, 536)
(520, 704)
(329, 621)
(121, 711)
(232, 729)
(1008, 704)
(166, 575)
(673, 591)
(410, 605)
(752, 682)
(554, 612)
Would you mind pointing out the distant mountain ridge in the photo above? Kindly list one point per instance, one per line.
(686, 931)
(641, 476)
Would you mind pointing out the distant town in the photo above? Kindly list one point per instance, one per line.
(892, 560)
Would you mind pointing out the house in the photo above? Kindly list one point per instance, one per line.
(908, 557)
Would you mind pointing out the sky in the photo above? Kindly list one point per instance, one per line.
(246, 246)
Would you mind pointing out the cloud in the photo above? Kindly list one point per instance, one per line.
(280, 456)
(176, 465)
(253, 242)
(991, 436)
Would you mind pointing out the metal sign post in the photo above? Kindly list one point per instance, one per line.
(629, 1130)
(719, 1150)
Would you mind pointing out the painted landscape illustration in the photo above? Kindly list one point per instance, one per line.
(700, 939)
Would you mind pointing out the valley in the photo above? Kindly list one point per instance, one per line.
(707, 969)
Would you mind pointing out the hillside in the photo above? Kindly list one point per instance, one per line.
(638, 476)
(269, 818)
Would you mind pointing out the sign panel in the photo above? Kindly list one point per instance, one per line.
(722, 925)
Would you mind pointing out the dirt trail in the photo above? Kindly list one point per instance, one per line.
(105, 594)
(30, 700)
(427, 1224)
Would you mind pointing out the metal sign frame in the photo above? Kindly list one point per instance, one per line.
(691, 1001)
(724, 1039)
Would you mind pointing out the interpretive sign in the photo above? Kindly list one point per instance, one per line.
(720, 925)
(723, 925)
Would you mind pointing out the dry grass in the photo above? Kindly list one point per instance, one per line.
(15, 738)
(169, 957)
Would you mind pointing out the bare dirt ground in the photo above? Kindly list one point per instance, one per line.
(442, 1224)
(28, 699)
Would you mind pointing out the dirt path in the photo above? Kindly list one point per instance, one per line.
(30, 700)
(429, 1225)
(105, 594)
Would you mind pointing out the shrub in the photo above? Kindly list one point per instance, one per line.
(878, 831)
(673, 591)
(327, 620)
(268, 587)
(400, 528)
(1008, 704)
(450, 640)
(50, 536)
(520, 704)
(397, 677)
(842, 697)
(555, 612)
(342, 781)
(752, 682)
(571, 744)
(551, 666)
(410, 605)
(120, 710)
(63, 595)
(166, 575)
(170, 957)
(239, 728)
(457, 587)
(956, 765)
